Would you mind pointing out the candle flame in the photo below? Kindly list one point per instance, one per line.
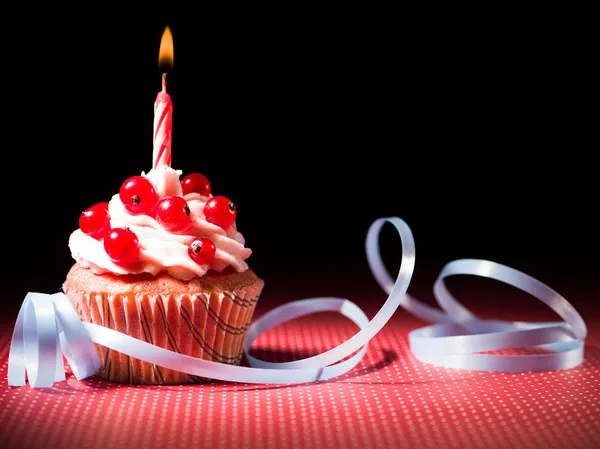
(165, 55)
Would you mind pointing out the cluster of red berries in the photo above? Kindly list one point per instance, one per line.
(173, 213)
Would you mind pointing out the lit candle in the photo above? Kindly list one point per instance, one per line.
(163, 124)
(163, 108)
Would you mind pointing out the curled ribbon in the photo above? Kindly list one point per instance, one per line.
(47, 326)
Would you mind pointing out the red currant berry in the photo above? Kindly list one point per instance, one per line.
(138, 196)
(195, 182)
(220, 211)
(202, 251)
(173, 214)
(95, 220)
(121, 245)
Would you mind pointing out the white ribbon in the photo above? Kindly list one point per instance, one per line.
(47, 327)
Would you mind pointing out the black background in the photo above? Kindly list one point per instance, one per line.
(477, 133)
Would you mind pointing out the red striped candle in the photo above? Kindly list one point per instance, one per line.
(163, 124)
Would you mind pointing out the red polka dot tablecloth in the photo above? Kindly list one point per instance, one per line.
(390, 400)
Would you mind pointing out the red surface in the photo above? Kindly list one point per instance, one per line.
(389, 400)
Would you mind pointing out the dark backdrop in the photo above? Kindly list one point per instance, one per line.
(477, 135)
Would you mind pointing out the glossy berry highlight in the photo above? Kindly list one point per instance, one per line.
(95, 220)
(122, 246)
(138, 196)
(173, 214)
(220, 211)
(195, 183)
(202, 251)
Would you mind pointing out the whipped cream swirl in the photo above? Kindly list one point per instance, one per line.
(161, 250)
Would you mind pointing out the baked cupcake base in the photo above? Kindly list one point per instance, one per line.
(205, 318)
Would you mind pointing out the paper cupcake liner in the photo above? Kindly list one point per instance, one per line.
(211, 326)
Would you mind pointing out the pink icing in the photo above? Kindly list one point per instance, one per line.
(162, 250)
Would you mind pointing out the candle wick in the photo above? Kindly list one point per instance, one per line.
(164, 81)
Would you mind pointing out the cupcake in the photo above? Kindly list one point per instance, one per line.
(163, 262)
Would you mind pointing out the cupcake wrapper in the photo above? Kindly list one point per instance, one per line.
(209, 326)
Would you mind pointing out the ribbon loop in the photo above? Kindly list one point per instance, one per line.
(458, 346)
(34, 347)
(48, 327)
(75, 341)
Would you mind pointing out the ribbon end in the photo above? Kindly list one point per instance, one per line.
(16, 382)
(59, 373)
